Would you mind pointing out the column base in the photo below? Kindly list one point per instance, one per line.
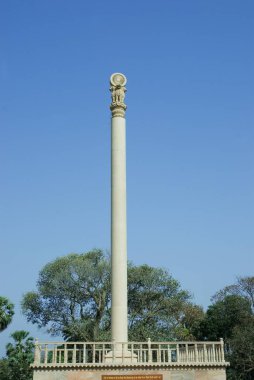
(119, 356)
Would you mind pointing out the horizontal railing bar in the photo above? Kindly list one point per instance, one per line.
(151, 342)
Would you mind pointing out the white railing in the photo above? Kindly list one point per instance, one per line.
(139, 353)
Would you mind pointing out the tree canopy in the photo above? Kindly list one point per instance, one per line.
(158, 307)
(243, 287)
(6, 313)
(223, 316)
(19, 356)
(231, 316)
(242, 352)
(73, 299)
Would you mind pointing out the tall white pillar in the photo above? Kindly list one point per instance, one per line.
(119, 322)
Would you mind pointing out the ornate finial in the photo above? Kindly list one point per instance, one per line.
(118, 90)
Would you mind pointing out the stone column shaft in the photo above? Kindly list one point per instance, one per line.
(119, 322)
(118, 231)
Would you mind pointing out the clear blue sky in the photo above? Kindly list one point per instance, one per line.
(190, 135)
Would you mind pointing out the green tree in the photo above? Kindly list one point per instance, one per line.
(19, 356)
(158, 307)
(191, 318)
(73, 297)
(243, 287)
(242, 351)
(222, 317)
(4, 370)
(73, 300)
(6, 313)
(231, 317)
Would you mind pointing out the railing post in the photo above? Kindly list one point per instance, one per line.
(177, 353)
(93, 352)
(84, 353)
(74, 354)
(46, 354)
(103, 353)
(169, 354)
(205, 352)
(213, 351)
(159, 353)
(65, 354)
(114, 350)
(79, 354)
(196, 352)
(37, 355)
(222, 350)
(54, 354)
(149, 350)
(132, 352)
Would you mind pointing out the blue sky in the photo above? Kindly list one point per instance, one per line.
(190, 132)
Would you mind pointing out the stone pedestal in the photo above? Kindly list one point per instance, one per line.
(129, 373)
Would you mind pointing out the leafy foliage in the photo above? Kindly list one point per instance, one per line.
(19, 356)
(242, 351)
(6, 313)
(157, 305)
(73, 299)
(231, 317)
(4, 371)
(222, 317)
(244, 287)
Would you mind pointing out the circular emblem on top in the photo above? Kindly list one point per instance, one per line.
(118, 79)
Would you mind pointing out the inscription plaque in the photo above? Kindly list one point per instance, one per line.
(131, 377)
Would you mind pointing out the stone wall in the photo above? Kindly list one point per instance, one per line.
(96, 374)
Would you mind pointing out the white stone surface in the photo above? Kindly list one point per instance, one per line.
(118, 231)
(119, 323)
(96, 374)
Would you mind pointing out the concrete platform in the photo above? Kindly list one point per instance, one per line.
(127, 373)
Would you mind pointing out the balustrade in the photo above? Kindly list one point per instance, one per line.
(141, 353)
